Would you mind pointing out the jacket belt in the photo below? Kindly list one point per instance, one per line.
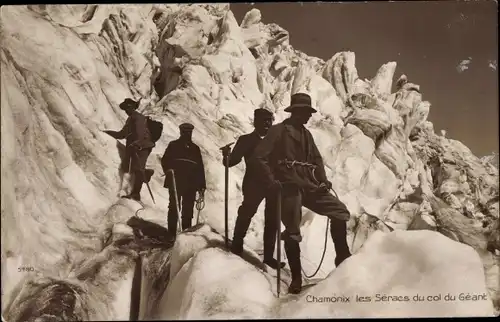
(291, 163)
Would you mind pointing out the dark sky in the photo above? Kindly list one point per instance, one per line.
(427, 39)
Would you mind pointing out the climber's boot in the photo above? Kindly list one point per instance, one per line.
(136, 188)
(172, 221)
(269, 258)
(269, 245)
(134, 194)
(240, 231)
(292, 249)
(186, 222)
(273, 263)
(338, 231)
(135, 197)
(170, 238)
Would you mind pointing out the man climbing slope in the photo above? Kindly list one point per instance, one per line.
(184, 157)
(253, 194)
(288, 159)
(138, 146)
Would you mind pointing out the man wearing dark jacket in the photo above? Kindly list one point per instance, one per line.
(138, 145)
(288, 160)
(253, 192)
(184, 157)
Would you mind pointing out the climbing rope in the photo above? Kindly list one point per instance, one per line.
(322, 256)
(200, 204)
(137, 211)
(117, 204)
(324, 247)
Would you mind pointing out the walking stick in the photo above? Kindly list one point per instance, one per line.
(278, 237)
(226, 194)
(176, 201)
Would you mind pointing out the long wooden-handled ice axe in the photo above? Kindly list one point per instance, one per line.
(227, 148)
(177, 206)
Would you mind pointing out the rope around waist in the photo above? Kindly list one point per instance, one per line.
(292, 163)
(186, 160)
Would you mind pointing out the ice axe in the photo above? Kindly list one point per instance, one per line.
(148, 173)
(226, 191)
(147, 185)
(177, 206)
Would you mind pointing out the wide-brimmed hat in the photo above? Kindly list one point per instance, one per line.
(300, 101)
(129, 103)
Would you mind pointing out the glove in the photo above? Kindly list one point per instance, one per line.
(135, 145)
(226, 150)
(201, 193)
(325, 186)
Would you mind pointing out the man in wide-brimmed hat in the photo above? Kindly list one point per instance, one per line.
(184, 157)
(253, 194)
(289, 160)
(138, 146)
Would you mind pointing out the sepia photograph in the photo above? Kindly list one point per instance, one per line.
(264, 160)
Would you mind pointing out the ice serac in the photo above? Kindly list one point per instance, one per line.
(382, 82)
(104, 285)
(251, 18)
(65, 69)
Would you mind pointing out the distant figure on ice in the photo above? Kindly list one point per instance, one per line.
(184, 157)
(253, 192)
(138, 147)
(288, 159)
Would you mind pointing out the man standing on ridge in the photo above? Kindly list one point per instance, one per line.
(253, 194)
(184, 157)
(288, 159)
(138, 146)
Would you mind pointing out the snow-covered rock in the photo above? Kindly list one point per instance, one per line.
(391, 269)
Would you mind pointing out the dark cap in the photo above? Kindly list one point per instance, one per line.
(186, 127)
(129, 103)
(262, 112)
(300, 101)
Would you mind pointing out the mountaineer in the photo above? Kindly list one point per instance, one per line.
(184, 157)
(253, 194)
(138, 147)
(288, 160)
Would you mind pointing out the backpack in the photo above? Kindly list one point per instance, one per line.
(155, 128)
